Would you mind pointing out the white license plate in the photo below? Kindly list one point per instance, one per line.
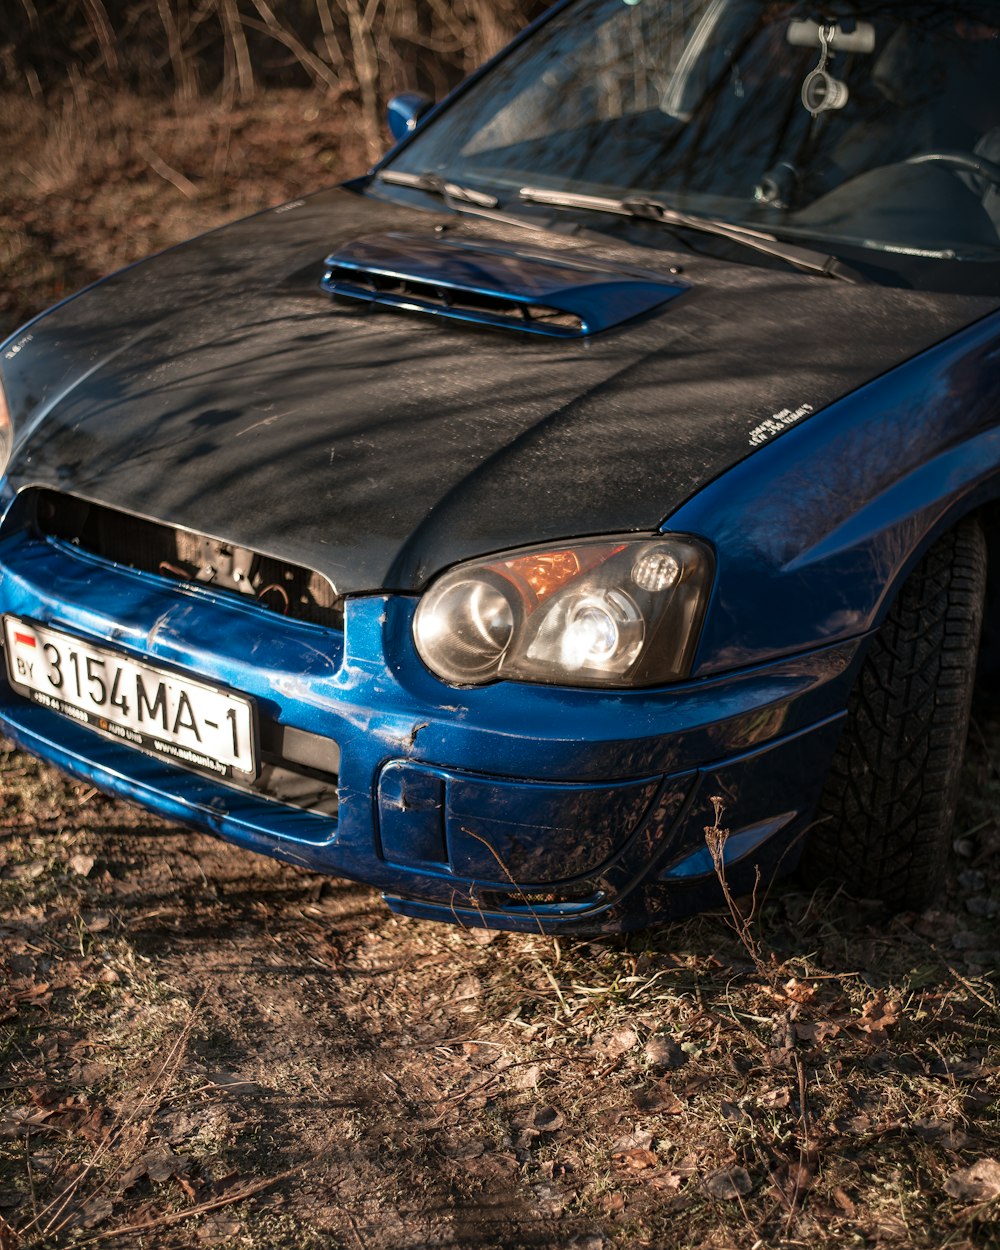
(186, 722)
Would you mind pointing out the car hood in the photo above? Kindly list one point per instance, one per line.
(218, 387)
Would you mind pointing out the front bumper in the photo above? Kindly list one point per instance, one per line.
(514, 806)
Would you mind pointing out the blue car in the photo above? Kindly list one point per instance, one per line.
(619, 459)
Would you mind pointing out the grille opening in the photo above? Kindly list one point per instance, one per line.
(149, 547)
(373, 287)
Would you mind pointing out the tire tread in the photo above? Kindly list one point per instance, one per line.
(885, 819)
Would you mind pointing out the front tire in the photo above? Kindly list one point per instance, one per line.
(884, 824)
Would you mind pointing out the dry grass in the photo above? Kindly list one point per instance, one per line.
(186, 1022)
(98, 181)
(202, 1047)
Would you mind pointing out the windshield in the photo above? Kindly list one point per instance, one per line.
(863, 126)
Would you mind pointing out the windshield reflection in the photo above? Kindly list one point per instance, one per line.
(872, 125)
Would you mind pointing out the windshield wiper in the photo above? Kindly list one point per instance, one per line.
(652, 210)
(434, 184)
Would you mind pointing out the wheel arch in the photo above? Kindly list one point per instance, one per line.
(988, 674)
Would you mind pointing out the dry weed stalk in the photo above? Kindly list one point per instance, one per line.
(507, 873)
(742, 923)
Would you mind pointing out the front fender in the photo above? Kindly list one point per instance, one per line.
(816, 531)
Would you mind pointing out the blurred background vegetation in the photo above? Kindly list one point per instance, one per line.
(355, 51)
(129, 125)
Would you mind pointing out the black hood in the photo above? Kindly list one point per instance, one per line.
(219, 387)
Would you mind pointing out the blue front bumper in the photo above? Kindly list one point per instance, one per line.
(511, 805)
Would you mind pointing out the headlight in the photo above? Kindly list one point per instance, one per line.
(600, 612)
(6, 432)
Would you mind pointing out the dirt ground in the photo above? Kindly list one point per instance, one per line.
(200, 1047)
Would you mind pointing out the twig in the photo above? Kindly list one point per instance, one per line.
(555, 985)
(97, 17)
(167, 172)
(232, 18)
(971, 988)
(506, 872)
(8, 1235)
(31, 1173)
(202, 1208)
(322, 74)
(354, 1228)
(60, 1202)
(803, 1144)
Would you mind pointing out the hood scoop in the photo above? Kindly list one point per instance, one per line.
(492, 285)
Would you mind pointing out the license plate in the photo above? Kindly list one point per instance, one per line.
(184, 721)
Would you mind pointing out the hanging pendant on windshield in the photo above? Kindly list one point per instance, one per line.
(821, 92)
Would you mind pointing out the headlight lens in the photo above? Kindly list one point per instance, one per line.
(600, 612)
(6, 432)
(469, 629)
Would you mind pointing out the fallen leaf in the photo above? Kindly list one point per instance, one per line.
(82, 865)
(816, 1031)
(526, 1078)
(798, 991)
(547, 1120)
(636, 1159)
(663, 1053)
(775, 1099)
(641, 1139)
(978, 1183)
(728, 1183)
(878, 1016)
(617, 1042)
(660, 1099)
(844, 1202)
